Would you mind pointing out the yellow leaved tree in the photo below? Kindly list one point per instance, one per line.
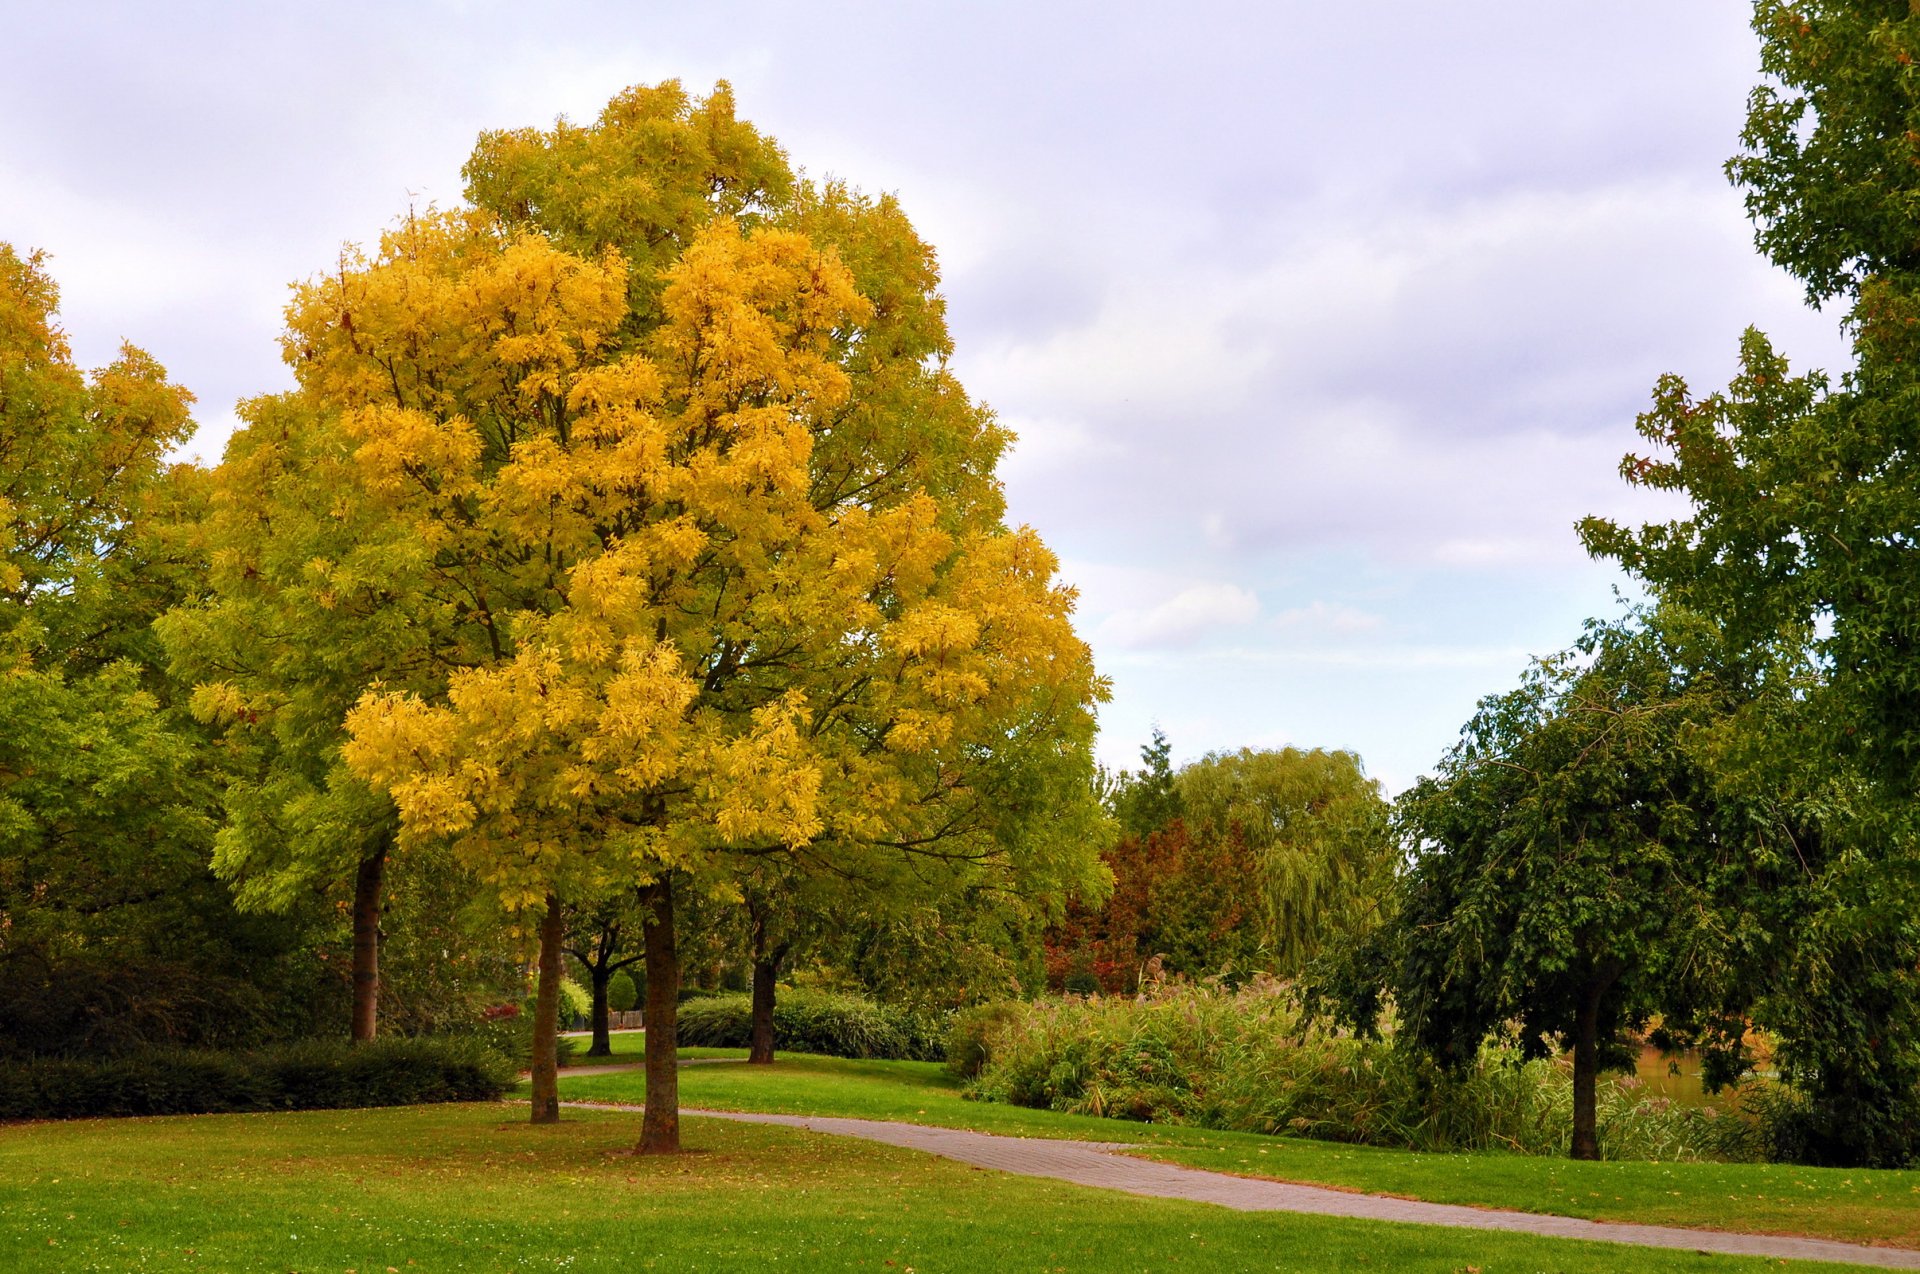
(720, 536)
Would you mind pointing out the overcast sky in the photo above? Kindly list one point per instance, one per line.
(1320, 324)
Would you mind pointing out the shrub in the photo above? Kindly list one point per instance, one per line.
(622, 994)
(508, 1031)
(1244, 1061)
(575, 1001)
(816, 1022)
(1081, 982)
(316, 1075)
(971, 1032)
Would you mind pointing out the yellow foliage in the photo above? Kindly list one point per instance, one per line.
(709, 543)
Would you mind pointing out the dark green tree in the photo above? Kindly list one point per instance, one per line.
(1145, 800)
(604, 937)
(1562, 870)
(1803, 547)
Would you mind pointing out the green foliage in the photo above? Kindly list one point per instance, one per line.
(313, 1075)
(823, 1022)
(1250, 861)
(575, 1000)
(1145, 800)
(971, 1031)
(622, 993)
(1244, 1061)
(1565, 860)
(1315, 829)
(1799, 550)
(1828, 149)
(112, 932)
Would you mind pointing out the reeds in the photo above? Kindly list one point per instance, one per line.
(1246, 1061)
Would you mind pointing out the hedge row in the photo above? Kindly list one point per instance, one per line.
(314, 1075)
(817, 1022)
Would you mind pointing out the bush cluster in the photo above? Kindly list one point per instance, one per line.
(314, 1075)
(824, 1022)
(509, 1033)
(1244, 1061)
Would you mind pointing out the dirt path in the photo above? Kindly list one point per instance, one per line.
(1094, 1163)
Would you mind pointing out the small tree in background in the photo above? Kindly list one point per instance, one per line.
(605, 938)
(1240, 862)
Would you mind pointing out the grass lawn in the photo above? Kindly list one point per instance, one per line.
(1862, 1206)
(629, 1048)
(440, 1188)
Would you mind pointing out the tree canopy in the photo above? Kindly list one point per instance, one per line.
(1564, 858)
(1801, 548)
(658, 535)
(1239, 863)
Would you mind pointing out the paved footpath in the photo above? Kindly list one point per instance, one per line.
(1095, 1163)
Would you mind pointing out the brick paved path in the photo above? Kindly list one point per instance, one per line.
(1094, 1163)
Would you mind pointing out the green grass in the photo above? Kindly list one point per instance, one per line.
(1855, 1205)
(629, 1048)
(474, 1188)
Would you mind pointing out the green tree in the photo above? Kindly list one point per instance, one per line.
(1561, 871)
(1145, 800)
(604, 938)
(1313, 828)
(1801, 547)
(111, 929)
(311, 601)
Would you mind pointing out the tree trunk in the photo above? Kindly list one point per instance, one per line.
(602, 1039)
(1586, 1071)
(660, 1127)
(764, 972)
(766, 969)
(546, 1018)
(366, 943)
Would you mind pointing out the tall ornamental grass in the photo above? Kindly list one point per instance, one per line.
(1244, 1061)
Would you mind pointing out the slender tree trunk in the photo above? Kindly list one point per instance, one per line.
(602, 1039)
(764, 972)
(1586, 1070)
(366, 943)
(660, 1127)
(546, 1018)
(766, 969)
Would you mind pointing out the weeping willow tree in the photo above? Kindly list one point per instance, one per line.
(1311, 829)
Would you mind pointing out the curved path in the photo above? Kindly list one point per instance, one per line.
(1094, 1163)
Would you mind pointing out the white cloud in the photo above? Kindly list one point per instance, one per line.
(1323, 617)
(1181, 620)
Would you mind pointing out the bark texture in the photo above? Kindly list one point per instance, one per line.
(760, 1050)
(1586, 1065)
(366, 944)
(546, 1018)
(660, 1125)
